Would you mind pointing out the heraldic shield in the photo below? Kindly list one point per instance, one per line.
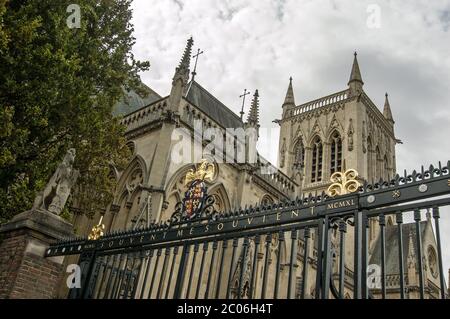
(194, 198)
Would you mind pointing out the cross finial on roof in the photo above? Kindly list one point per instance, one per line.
(195, 56)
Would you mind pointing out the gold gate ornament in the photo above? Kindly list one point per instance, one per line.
(204, 172)
(97, 230)
(343, 183)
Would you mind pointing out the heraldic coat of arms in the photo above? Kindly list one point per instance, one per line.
(196, 194)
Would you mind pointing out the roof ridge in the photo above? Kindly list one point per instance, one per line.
(212, 96)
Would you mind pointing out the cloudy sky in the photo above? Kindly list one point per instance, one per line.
(403, 49)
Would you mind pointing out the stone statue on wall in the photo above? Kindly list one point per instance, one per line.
(350, 132)
(57, 191)
(282, 153)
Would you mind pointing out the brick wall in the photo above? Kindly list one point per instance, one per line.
(24, 272)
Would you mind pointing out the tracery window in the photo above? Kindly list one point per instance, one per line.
(299, 154)
(317, 154)
(336, 153)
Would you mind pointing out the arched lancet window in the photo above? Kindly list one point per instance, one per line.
(316, 165)
(386, 166)
(299, 154)
(370, 164)
(336, 153)
(378, 160)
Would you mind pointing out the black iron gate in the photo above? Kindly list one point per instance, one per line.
(382, 241)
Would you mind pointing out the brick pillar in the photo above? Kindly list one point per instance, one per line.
(24, 271)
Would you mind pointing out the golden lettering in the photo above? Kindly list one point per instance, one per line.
(249, 220)
(180, 233)
(207, 228)
(294, 213)
(278, 216)
(220, 226)
(235, 223)
(152, 237)
(191, 231)
(111, 243)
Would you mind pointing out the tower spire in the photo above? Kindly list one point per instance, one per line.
(387, 110)
(289, 99)
(253, 114)
(355, 82)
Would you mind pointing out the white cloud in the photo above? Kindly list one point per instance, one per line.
(259, 44)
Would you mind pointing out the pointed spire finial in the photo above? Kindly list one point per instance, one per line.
(186, 59)
(182, 71)
(387, 109)
(289, 99)
(253, 114)
(355, 75)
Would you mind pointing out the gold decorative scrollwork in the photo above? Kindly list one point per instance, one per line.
(343, 183)
(97, 230)
(204, 172)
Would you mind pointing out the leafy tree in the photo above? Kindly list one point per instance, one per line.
(58, 86)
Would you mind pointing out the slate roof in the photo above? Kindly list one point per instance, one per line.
(208, 104)
(392, 251)
(132, 102)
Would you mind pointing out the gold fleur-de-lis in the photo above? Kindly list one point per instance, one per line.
(97, 230)
(204, 172)
(343, 183)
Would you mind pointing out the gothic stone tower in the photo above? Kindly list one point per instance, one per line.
(337, 132)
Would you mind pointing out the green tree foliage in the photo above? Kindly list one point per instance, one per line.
(58, 86)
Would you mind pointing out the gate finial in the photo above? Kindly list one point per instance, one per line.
(343, 183)
(97, 230)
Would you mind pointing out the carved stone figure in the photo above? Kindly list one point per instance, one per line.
(55, 194)
(350, 135)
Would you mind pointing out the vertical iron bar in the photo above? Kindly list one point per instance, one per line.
(365, 254)
(130, 277)
(320, 255)
(155, 268)
(252, 290)
(399, 221)
(439, 249)
(192, 270)
(342, 232)
(230, 273)
(172, 266)
(417, 219)
(266, 265)
(147, 270)
(181, 271)
(241, 276)
(202, 262)
(357, 252)
(117, 277)
(211, 265)
(110, 277)
(163, 272)
(224, 248)
(121, 277)
(102, 282)
(306, 235)
(141, 267)
(277, 271)
(382, 223)
(291, 261)
(327, 260)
